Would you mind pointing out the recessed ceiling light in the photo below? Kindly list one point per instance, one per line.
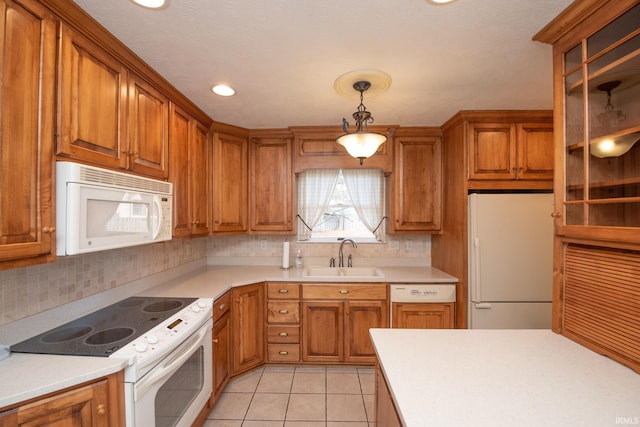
(440, 2)
(223, 90)
(151, 4)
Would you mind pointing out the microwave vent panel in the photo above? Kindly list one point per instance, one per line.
(97, 176)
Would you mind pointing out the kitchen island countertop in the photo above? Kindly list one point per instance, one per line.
(503, 378)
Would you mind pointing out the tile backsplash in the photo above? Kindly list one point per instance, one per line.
(414, 250)
(31, 290)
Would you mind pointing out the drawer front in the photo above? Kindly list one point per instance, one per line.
(221, 306)
(345, 292)
(283, 334)
(283, 312)
(283, 291)
(283, 352)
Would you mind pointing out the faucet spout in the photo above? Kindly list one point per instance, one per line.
(340, 255)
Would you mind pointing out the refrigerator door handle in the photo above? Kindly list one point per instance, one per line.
(476, 270)
(483, 305)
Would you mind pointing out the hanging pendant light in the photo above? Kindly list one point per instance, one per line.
(361, 144)
(612, 144)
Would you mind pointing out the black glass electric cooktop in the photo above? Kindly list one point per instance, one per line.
(104, 331)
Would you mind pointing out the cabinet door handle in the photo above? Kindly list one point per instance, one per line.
(283, 334)
(215, 340)
(284, 353)
(284, 291)
(283, 311)
(101, 410)
(344, 291)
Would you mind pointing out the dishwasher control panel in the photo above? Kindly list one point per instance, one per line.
(423, 292)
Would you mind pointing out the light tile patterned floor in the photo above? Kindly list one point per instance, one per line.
(298, 396)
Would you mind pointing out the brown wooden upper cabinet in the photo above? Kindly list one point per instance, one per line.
(92, 103)
(230, 179)
(96, 91)
(148, 129)
(190, 174)
(510, 151)
(27, 221)
(416, 196)
(271, 182)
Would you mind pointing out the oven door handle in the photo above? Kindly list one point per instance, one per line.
(171, 364)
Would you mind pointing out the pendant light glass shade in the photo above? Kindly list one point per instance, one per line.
(361, 144)
(613, 146)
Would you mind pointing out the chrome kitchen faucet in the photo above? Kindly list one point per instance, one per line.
(340, 256)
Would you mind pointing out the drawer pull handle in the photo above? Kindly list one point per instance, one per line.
(283, 334)
(284, 291)
(283, 311)
(344, 291)
(221, 307)
(284, 353)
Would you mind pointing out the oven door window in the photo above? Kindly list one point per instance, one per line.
(180, 390)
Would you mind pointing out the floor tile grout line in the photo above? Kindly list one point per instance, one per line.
(246, 412)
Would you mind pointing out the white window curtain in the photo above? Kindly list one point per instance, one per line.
(366, 188)
(315, 187)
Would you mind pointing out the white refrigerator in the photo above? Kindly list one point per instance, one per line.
(510, 260)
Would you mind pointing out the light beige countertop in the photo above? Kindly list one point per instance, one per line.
(24, 376)
(503, 378)
(216, 280)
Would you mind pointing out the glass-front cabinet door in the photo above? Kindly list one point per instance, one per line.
(601, 76)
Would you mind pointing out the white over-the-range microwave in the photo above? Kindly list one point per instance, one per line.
(99, 209)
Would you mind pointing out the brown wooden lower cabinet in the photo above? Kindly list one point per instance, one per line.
(221, 337)
(336, 320)
(283, 322)
(386, 413)
(423, 315)
(96, 404)
(323, 331)
(248, 327)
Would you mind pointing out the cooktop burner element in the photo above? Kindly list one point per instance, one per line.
(105, 331)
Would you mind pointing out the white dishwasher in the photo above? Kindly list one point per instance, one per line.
(423, 305)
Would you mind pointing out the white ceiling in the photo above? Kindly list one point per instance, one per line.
(283, 56)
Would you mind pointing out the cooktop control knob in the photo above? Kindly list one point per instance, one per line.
(152, 339)
(195, 308)
(202, 304)
(140, 347)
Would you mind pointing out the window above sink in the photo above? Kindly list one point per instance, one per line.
(337, 204)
